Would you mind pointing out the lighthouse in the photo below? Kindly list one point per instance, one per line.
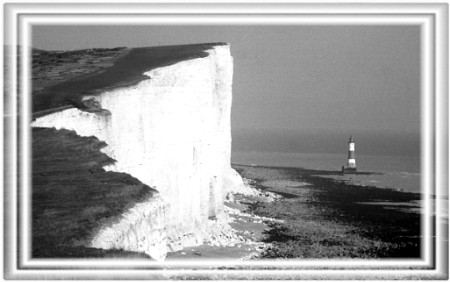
(351, 162)
(351, 153)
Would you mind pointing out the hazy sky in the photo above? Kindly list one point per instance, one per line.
(293, 78)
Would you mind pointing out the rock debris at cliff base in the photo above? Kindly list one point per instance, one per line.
(242, 238)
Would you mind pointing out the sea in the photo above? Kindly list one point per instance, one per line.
(394, 172)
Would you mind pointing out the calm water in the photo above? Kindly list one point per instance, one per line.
(398, 172)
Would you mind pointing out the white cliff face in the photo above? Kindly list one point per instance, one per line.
(173, 133)
(140, 229)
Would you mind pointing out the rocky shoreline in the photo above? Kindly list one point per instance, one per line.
(242, 238)
(295, 213)
(324, 218)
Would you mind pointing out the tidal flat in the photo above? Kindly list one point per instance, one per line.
(323, 218)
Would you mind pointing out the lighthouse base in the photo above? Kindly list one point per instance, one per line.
(347, 169)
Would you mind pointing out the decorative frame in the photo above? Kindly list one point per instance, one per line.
(19, 19)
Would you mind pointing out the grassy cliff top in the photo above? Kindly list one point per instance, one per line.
(61, 78)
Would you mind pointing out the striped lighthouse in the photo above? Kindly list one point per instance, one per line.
(351, 162)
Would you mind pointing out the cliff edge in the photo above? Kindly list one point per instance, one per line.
(165, 123)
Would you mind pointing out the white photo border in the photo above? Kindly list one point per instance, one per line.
(19, 19)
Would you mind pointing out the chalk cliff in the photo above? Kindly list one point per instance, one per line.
(172, 132)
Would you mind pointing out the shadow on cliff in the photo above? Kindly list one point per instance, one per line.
(72, 195)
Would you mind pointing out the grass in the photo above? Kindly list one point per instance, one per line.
(122, 69)
(328, 219)
(72, 196)
(53, 67)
